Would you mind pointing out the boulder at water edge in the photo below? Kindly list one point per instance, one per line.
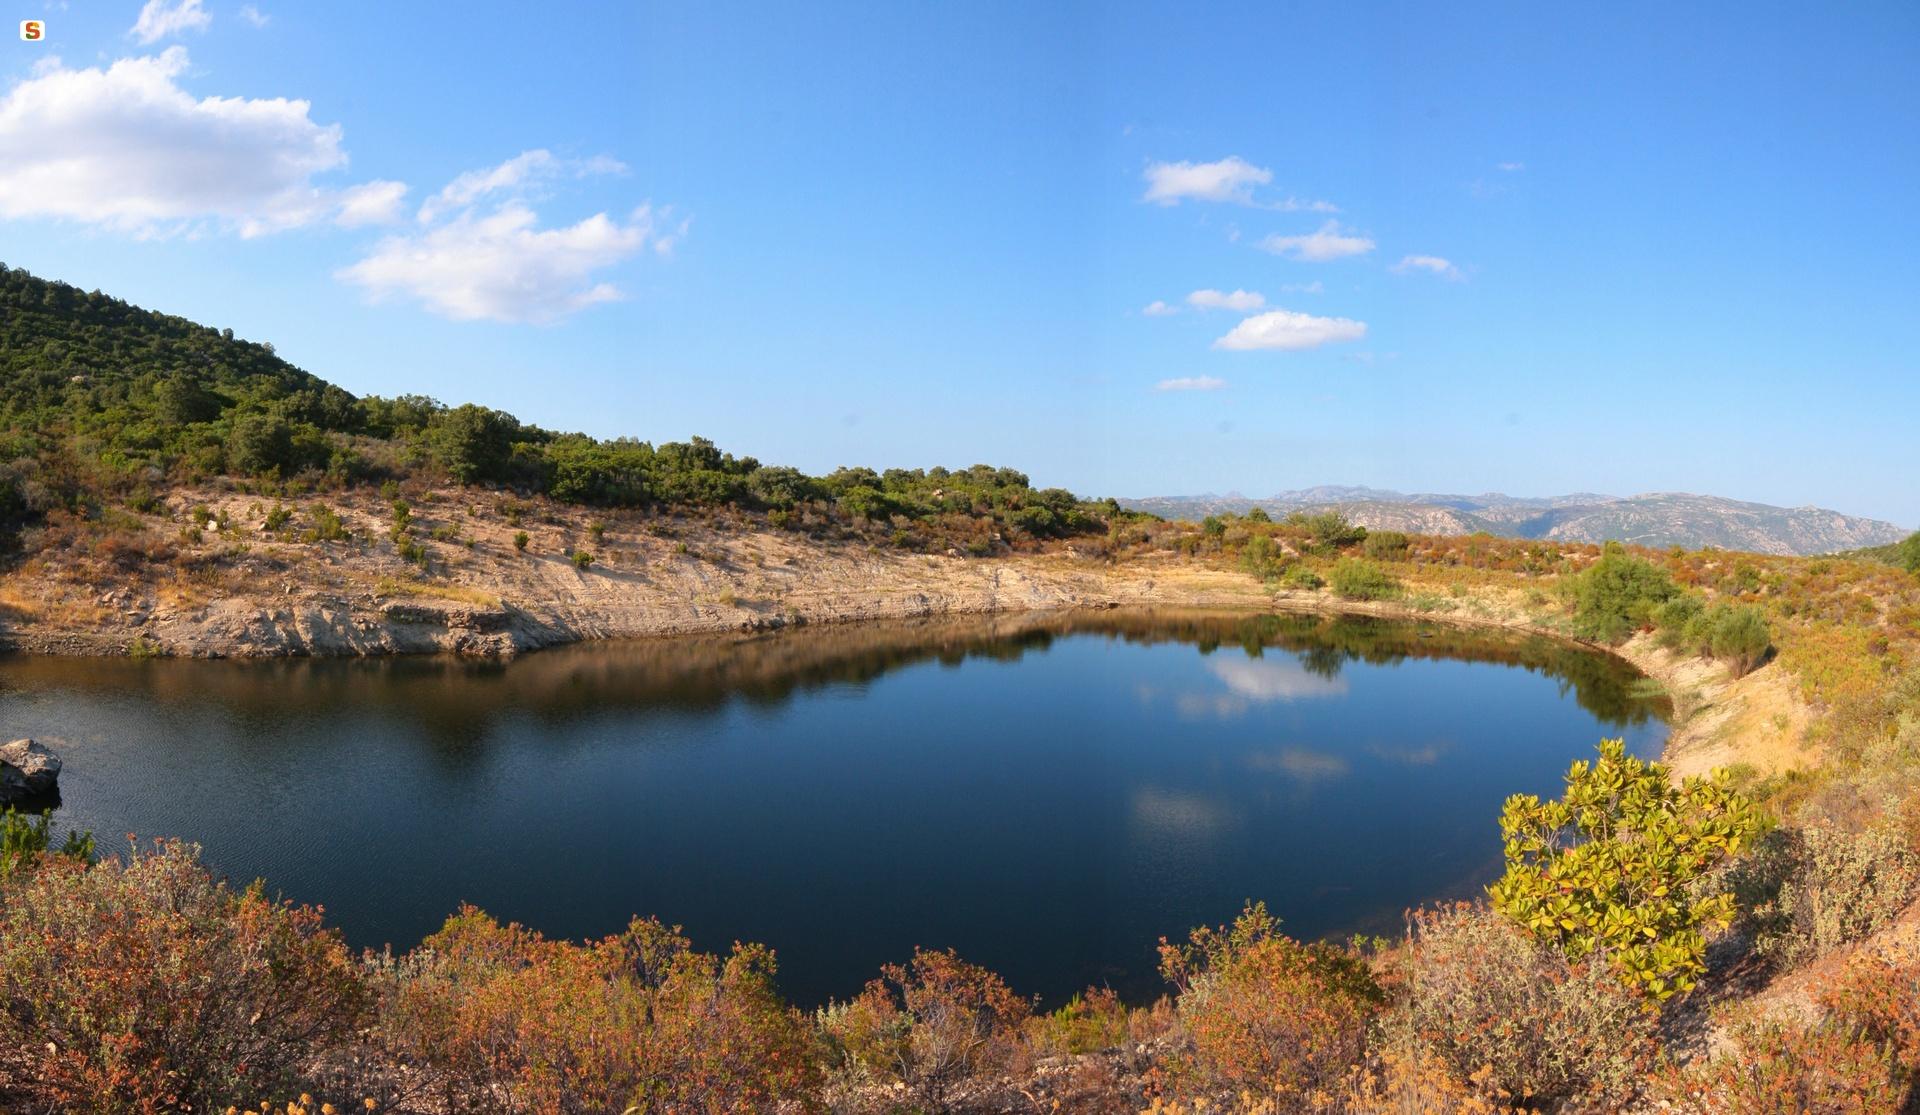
(28, 769)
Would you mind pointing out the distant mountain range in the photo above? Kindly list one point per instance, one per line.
(1655, 519)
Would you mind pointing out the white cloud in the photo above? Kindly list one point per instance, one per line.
(515, 176)
(1274, 679)
(1328, 243)
(1430, 264)
(1512, 167)
(1240, 301)
(1289, 331)
(374, 203)
(1230, 179)
(1157, 308)
(158, 19)
(126, 147)
(1190, 383)
(500, 267)
(1314, 287)
(1301, 205)
(254, 16)
(1300, 763)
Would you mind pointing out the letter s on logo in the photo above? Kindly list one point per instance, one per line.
(32, 30)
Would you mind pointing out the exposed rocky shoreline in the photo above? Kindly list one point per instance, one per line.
(239, 595)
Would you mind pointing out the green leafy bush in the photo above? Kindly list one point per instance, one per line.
(1737, 634)
(1617, 594)
(1613, 868)
(1356, 579)
(327, 526)
(1302, 578)
(25, 837)
(1385, 545)
(1262, 558)
(1328, 529)
(1907, 554)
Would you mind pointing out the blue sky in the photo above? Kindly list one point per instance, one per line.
(1449, 248)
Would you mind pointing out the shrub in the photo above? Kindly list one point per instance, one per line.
(1611, 868)
(1515, 1020)
(499, 1018)
(1768, 1067)
(1265, 1013)
(1739, 636)
(936, 1025)
(1328, 529)
(277, 519)
(581, 559)
(1385, 545)
(1811, 890)
(145, 984)
(25, 837)
(1879, 999)
(1261, 558)
(1907, 554)
(1091, 1021)
(520, 540)
(1617, 594)
(327, 526)
(1362, 580)
(1303, 578)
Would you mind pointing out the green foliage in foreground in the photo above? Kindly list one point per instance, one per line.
(1610, 870)
(24, 836)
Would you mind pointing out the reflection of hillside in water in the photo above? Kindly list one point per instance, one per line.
(455, 698)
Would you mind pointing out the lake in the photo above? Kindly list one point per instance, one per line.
(1049, 795)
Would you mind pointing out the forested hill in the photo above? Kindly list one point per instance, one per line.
(103, 402)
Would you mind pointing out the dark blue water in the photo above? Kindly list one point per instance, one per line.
(1049, 797)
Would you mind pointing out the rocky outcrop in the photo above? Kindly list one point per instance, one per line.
(28, 769)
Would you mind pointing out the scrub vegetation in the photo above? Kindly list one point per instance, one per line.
(1768, 907)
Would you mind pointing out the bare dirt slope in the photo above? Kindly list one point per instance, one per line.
(244, 591)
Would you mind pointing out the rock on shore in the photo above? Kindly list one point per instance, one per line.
(28, 769)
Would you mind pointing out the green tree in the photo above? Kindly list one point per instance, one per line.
(1617, 594)
(1907, 554)
(1613, 869)
(472, 442)
(260, 443)
(1362, 580)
